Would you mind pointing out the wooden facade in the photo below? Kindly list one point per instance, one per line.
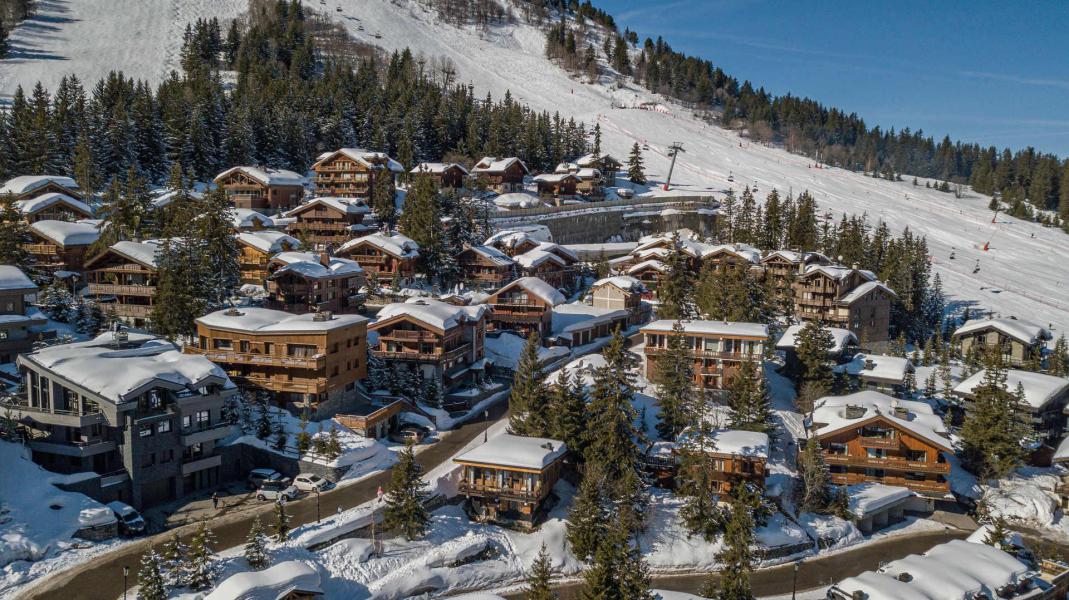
(502, 175)
(485, 267)
(383, 257)
(301, 282)
(25, 187)
(53, 207)
(520, 308)
(621, 292)
(782, 266)
(846, 298)
(327, 223)
(59, 245)
(552, 263)
(300, 360)
(606, 165)
(1018, 342)
(123, 279)
(261, 189)
(256, 250)
(448, 176)
(557, 186)
(16, 321)
(351, 172)
(726, 468)
(717, 348)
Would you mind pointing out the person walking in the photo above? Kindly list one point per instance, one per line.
(215, 500)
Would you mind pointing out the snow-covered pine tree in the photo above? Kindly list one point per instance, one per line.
(539, 577)
(674, 376)
(814, 492)
(405, 494)
(993, 429)
(567, 408)
(675, 291)
(528, 399)
(814, 343)
(333, 448)
(256, 546)
(175, 562)
(750, 405)
(282, 523)
(150, 581)
(736, 554)
(617, 570)
(56, 301)
(201, 570)
(635, 172)
(697, 482)
(13, 233)
(588, 517)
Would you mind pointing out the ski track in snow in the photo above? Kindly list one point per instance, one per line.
(1020, 275)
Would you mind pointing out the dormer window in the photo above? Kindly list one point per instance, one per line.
(155, 399)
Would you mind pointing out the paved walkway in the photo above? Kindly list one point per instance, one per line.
(101, 577)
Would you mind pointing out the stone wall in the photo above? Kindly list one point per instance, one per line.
(595, 225)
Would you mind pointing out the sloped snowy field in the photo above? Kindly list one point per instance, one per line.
(1020, 274)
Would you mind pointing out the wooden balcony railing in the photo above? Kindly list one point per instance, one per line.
(657, 350)
(891, 463)
(318, 361)
(111, 289)
(41, 249)
(936, 487)
(428, 356)
(489, 489)
(411, 336)
(888, 443)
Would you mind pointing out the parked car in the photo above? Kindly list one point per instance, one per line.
(258, 476)
(409, 433)
(130, 521)
(282, 491)
(310, 482)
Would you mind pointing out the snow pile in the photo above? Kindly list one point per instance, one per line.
(505, 350)
(830, 531)
(1027, 497)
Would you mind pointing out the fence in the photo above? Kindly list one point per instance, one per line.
(622, 204)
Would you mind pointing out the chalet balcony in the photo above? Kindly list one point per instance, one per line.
(925, 487)
(207, 433)
(281, 384)
(367, 259)
(320, 226)
(490, 489)
(657, 350)
(411, 336)
(886, 443)
(41, 249)
(517, 317)
(423, 356)
(67, 418)
(77, 449)
(140, 311)
(889, 463)
(317, 362)
(111, 289)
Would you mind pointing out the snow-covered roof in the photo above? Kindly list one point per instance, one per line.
(553, 177)
(863, 289)
(120, 374)
(309, 264)
(34, 205)
(435, 313)
(721, 328)
(13, 279)
(830, 415)
(840, 338)
(268, 241)
(271, 583)
(535, 257)
(493, 255)
(562, 251)
(877, 366)
(436, 168)
(244, 218)
(516, 451)
(265, 175)
(867, 498)
(350, 206)
(588, 173)
(648, 264)
(66, 233)
(28, 183)
(368, 158)
(587, 160)
(741, 251)
(1062, 453)
(954, 570)
(517, 200)
(166, 196)
(492, 164)
(1023, 331)
(535, 286)
(1039, 388)
(838, 272)
(577, 316)
(265, 320)
(753, 444)
(394, 244)
(624, 282)
(146, 252)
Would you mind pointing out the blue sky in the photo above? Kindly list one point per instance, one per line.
(995, 73)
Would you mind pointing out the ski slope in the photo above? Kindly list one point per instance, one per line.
(89, 38)
(1019, 275)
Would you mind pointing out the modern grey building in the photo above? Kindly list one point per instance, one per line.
(131, 410)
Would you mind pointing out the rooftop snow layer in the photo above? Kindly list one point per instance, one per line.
(545, 292)
(867, 498)
(33, 205)
(146, 252)
(268, 241)
(491, 164)
(883, 367)
(516, 200)
(865, 288)
(393, 244)
(721, 328)
(266, 176)
(349, 206)
(28, 183)
(516, 451)
(271, 583)
(12, 278)
(1039, 388)
(536, 257)
(435, 168)
(648, 264)
(368, 158)
(840, 338)
(244, 218)
(493, 255)
(264, 320)
(732, 441)
(435, 313)
(1023, 331)
(308, 264)
(830, 415)
(120, 374)
(66, 233)
(624, 282)
(577, 316)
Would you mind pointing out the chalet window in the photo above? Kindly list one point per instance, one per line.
(146, 431)
(269, 347)
(203, 418)
(155, 399)
(187, 422)
(877, 473)
(3, 334)
(875, 452)
(302, 350)
(836, 469)
(244, 345)
(917, 455)
(222, 344)
(163, 427)
(836, 448)
(166, 456)
(911, 476)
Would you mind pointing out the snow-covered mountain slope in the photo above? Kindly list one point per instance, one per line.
(89, 38)
(1024, 273)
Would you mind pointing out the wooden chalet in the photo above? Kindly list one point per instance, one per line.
(327, 223)
(781, 267)
(17, 318)
(304, 282)
(60, 245)
(383, 256)
(485, 267)
(870, 437)
(261, 189)
(606, 165)
(123, 279)
(649, 273)
(312, 360)
(524, 306)
(621, 292)
(508, 479)
(444, 342)
(53, 206)
(25, 187)
(351, 172)
(718, 348)
(512, 242)
(447, 175)
(552, 263)
(257, 248)
(501, 175)
(849, 298)
(556, 186)
(1044, 400)
(1018, 341)
(733, 456)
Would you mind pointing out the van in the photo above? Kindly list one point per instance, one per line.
(130, 521)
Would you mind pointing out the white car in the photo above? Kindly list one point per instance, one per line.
(310, 482)
(279, 491)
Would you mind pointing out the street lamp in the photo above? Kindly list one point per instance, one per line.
(125, 574)
(317, 505)
(486, 430)
(794, 583)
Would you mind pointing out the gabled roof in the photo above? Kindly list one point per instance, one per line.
(578, 316)
(367, 158)
(588, 160)
(394, 244)
(308, 264)
(12, 279)
(516, 451)
(271, 583)
(796, 257)
(536, 287)
(554, 177)
(722, 328)
(878, 366)
(830, 416)
(492, 164)
(536, 257)
(730, 441)
(492, 254)
(585, 174)
(265, 175)
(28, 183)
(436, 168)
(167, 196)
(509, 238)
(1026, 332)
(1039, 388)
(837, 272)
(517, 200)
(349, 206)
(840, 338)
(740, 251)
(243, 218)
(862, 290)
(562, 251)
(648, 264)
(35, 205)
(268, 242)
(621, 282)
(65, 233)
(145, 253)
(433, 313)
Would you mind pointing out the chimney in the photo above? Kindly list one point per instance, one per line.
(870, 364)
(323, 315)
(854, 411)
(801, 267)
(324, 258)
(854, 266)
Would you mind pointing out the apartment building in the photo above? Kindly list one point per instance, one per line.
(261, 189)
(1018, 341)
(17, 318)
(782, 266)
(303, 361)
(351, 172)
(718, 348)
(326, 223)
(130, 408)
(60, 245)
(524, 306)
(844, 297)
(303, 282)
(621, 292)
(124, 279)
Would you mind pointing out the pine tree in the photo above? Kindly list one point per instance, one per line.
(13, 233)
(282, 522)
(814, 493)
(567, 410)
(150, 581)
(256, 546)
(813, 344)
(333, 448)
(618, 570)
(528, 414)
(736, 554)
(538, 580)
(994, 427)
(1058, 360)
(589, 515)
(56, 301)
(674, 376)
(201, 571)
(175, 562)
(698, 483)
(999, 533)
(405, 495)
(675, 291)
(635, 173)
(750, 405)
(422, 221)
